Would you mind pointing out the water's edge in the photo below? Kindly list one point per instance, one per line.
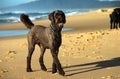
(4, 33)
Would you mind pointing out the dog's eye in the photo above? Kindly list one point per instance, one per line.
(57, 14)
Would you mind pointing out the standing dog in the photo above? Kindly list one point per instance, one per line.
(46, 38)
(115, 18)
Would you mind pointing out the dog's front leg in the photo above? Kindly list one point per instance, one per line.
(56, 63)
(54, 67)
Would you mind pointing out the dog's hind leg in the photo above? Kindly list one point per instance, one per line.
(114, 25)
(41, 58)
(31, 47)
(111, 24)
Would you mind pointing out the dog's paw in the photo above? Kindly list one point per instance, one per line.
(62, 73)
(54, 71)
(44, 68)
(29, 70)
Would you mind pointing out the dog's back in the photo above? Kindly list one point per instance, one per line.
(37, 33)
(115, 17)
(40, 34)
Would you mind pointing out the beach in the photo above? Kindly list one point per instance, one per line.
(89, 51)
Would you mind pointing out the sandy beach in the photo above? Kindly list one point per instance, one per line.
(90, 51)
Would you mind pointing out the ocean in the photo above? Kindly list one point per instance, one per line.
(39, 9)
(14, 16)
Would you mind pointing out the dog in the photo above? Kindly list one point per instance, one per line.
(115, 18)
(45, 38)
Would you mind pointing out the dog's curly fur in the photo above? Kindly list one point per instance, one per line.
(46, 38)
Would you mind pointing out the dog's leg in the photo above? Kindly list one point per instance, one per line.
(54, 67)
(56, 63)
(31, 47)
(41, 58)
(111, 24)
(114, 25)
(119, 24)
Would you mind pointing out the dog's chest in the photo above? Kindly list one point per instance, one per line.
(55, 39)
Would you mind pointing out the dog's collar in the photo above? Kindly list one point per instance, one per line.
(52, 28)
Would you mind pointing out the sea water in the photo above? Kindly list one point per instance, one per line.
(4, 33)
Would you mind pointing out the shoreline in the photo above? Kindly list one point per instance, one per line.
(70, 23)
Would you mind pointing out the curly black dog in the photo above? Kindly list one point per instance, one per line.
(46, 38)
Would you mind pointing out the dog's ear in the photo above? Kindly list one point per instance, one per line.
(51, 16)
(64, 18)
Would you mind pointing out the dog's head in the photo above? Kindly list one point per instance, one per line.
(117, 10)
(57, 18)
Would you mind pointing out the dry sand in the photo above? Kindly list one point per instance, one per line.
(89, 52)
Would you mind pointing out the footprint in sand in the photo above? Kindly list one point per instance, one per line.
(10, 55)
(108, 77)
(2, 72)
(25, 44)
(30, 78)
(1, 61)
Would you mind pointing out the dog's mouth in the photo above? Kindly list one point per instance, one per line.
(60, 25)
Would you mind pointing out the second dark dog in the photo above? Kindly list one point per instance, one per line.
(115, 19)
(46, 38)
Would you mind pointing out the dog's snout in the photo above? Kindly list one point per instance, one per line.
(61, 20)
(60, 24)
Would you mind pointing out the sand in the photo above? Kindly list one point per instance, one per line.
(91, 51)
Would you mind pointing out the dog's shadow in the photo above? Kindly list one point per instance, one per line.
(91, 66)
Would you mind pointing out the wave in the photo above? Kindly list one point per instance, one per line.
(9, 20)
(12, 17)
(17, 19)
(77, 11)
(13, 12)
(20, 12)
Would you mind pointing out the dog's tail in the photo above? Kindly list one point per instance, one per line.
(26, 21)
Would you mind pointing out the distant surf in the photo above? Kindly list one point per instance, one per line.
(13, 17)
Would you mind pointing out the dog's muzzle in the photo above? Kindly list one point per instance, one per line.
(61, 25)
